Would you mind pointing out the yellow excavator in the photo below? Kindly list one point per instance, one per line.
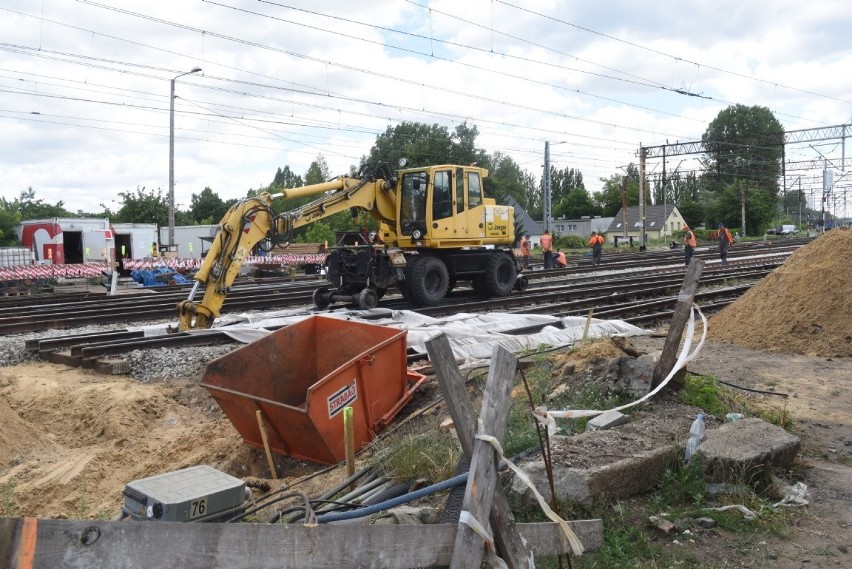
(435, 228)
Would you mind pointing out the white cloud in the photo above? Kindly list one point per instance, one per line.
(303, 82)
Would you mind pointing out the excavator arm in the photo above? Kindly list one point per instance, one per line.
(253, 220)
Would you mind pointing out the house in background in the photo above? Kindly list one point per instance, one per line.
(661, 221)
(582, 227)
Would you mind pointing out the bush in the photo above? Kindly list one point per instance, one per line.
(569, 242)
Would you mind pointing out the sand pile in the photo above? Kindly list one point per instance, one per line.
(802, 307)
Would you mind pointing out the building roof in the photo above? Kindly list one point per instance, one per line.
(655, 218)
(528, 224)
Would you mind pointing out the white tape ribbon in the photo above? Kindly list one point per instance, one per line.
(544, 417)
(576, 546)
(470, 521)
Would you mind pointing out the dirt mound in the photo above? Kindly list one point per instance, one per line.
(802, 307)
(71, 440)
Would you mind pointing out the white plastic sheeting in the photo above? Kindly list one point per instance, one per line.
(472, 336)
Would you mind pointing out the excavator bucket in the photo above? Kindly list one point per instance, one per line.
(302, 377)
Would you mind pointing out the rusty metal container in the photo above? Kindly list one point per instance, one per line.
(302, 376)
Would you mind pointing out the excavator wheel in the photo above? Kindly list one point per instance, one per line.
(367, 299)
(429, 281)
(500, 273)
(322, 297)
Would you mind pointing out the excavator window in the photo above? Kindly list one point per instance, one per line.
(474, 190)
(412, 208)
(459, 190)
(442, 198)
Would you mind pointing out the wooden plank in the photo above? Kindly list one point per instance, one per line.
(61, 544)
(452, 385)
(679, 320)
(482, 479)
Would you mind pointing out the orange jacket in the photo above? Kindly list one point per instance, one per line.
(689, 238)
(525, 247)
(596, 240)
(546, 242)
(718, 235)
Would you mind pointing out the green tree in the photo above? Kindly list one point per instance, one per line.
(760, 211)
(207, 207)
(10, 217)
(286, 178)
(506, 179)
(426, 145)
(318, 171)
(576, 204)
(745, 143)
(609, 198)
(144, 207)
(31, 208)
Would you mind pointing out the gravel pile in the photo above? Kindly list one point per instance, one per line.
(145, 365)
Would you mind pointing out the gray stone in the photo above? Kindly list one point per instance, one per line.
(620, 479)
(606, 420)
(630, 376)
(738, 451)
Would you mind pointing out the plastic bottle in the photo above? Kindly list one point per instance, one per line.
(696, 434)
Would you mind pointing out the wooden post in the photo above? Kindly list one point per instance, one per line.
(679, 320)
(509, 543)
(482, 478)
(349, 442)
(588, 321)
(263, 436)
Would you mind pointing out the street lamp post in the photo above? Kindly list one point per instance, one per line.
(172, 157)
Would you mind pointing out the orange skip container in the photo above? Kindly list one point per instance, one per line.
(302, 376)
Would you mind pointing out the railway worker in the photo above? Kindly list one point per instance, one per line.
(723, 236)
(688, 244)
(546, 242)
(526, 252)
(596, 243)
(560, 260)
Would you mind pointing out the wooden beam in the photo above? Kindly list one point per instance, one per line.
(482, 479)
(679, 319)
(61, 544)
(452, 385)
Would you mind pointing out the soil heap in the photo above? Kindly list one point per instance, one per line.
(802, 307)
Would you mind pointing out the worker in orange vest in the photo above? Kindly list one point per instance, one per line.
(688, 244)
(526, 252)
(560, 260)
(546, 242)
(723, 236)
(596, 243)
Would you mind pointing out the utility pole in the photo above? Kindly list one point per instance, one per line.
(547, 185)
(742, 188)
(172, 157)
(624, 206)
(642, 153)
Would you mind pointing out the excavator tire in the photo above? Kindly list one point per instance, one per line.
(429, 281)
(500, 274)
(367, 299)
(322, 297)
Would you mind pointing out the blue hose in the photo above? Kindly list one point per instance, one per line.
(426, 491)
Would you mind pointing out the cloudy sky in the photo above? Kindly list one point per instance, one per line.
(84, 104)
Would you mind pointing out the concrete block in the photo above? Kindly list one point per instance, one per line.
(606, 420)
(620, 479)
(736, 451)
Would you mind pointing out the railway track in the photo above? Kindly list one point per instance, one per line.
(638, 290)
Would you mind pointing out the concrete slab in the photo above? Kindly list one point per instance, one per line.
(606, 420)
(736, 451)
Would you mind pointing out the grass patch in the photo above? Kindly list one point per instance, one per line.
(715, 399)
(409, 455)
(10, 507)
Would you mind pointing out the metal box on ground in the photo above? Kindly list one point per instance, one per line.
(195, 494)
(301, 377)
